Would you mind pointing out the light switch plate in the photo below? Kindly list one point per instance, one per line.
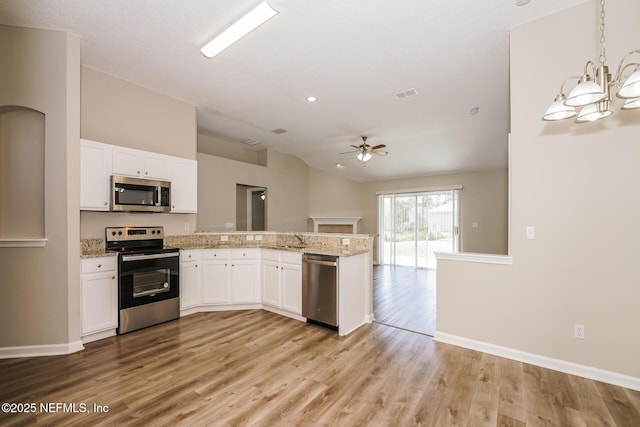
(531, 232)
(346, 241)
(258, 237)
(249, 236)
(224, 238)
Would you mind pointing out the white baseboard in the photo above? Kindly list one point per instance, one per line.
(40, 350)
(596, 374)
(98, 336)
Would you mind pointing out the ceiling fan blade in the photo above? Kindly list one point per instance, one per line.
(380, 153)
(378, 146)
(357, 147)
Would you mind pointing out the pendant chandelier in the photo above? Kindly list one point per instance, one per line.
(594, 94)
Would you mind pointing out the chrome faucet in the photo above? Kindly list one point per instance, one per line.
(301, 239)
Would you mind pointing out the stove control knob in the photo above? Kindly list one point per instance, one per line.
(113, 233)
(119, 233)
(153, 231)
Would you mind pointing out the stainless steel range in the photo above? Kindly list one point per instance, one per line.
(148, 277)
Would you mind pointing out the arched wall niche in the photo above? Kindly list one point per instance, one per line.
(22, 164)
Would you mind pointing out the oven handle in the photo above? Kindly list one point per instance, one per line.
(152, 256)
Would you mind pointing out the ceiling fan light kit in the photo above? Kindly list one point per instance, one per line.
(365, 151)
(249, 22)
(594, 94)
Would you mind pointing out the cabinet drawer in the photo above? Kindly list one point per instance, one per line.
(96, 265)
(213, 254)
(189, 255)
(244, 254)
(292, 257)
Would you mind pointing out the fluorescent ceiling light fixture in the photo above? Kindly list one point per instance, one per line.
(252, 20)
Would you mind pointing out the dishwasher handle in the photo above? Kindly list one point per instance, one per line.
(315, 261)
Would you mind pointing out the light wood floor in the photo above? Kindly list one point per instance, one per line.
(405, 297)
(259, 368)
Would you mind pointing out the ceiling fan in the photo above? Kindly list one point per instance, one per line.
(364, 151)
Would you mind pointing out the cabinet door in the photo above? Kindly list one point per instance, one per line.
(99, 302)
(244, 281)
(128, 162)
(189, 284)
(292, 287)
(215, 282)
(271, 283)
(156, 166)
(184, 186)
(95, 173)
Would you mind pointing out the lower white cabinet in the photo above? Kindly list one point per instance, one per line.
(99, 297)
(282, 280)
(190, 279)
(210, 277)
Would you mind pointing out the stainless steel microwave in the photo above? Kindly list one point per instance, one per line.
(139, 195)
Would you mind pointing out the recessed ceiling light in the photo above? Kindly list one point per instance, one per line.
(312, 98)
(339, 166)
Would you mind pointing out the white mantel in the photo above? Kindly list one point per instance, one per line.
(348, 220)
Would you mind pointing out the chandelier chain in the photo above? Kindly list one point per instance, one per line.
(603, 53)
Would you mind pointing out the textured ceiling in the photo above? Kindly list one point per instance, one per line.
(354, 55)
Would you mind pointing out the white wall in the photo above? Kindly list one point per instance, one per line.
(576, 184)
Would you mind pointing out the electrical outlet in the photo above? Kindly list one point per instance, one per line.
(258, 237)
(249, 236)
(346, 241)
(578, 331)
(224, 238)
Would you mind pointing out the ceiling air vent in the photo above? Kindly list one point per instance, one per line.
(279, 131)
(406, 93)
(250, 141)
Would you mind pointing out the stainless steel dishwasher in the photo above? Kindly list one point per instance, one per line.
(320, 289)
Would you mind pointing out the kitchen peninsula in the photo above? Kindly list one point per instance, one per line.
(258, 270)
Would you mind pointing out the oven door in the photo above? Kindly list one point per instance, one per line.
(148, 278)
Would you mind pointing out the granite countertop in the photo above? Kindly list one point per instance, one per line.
(316, 243)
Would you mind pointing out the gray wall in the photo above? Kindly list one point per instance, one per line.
(39, 287)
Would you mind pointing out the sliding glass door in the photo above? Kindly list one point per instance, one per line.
(415, 225)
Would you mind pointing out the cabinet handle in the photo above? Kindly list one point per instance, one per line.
(113, 277)
(99, 265)
(173, 206)
(106, 203)
(138, 172)
(189, 256)
(146, 173)
(196, 265)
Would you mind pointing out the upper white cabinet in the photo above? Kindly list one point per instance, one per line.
(99, 161)
(95, 173)
(141, 164)
(184, 185)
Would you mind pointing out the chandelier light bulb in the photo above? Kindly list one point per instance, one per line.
(558, 110)
(631, 87)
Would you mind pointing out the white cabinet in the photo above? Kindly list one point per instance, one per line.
(99, 297)
(141, 164)
(282, 280)
(95, 175)
(230, 276)
(184, 185)
(190, 279)
(271, 278)
(245, 279)
(215, 276)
